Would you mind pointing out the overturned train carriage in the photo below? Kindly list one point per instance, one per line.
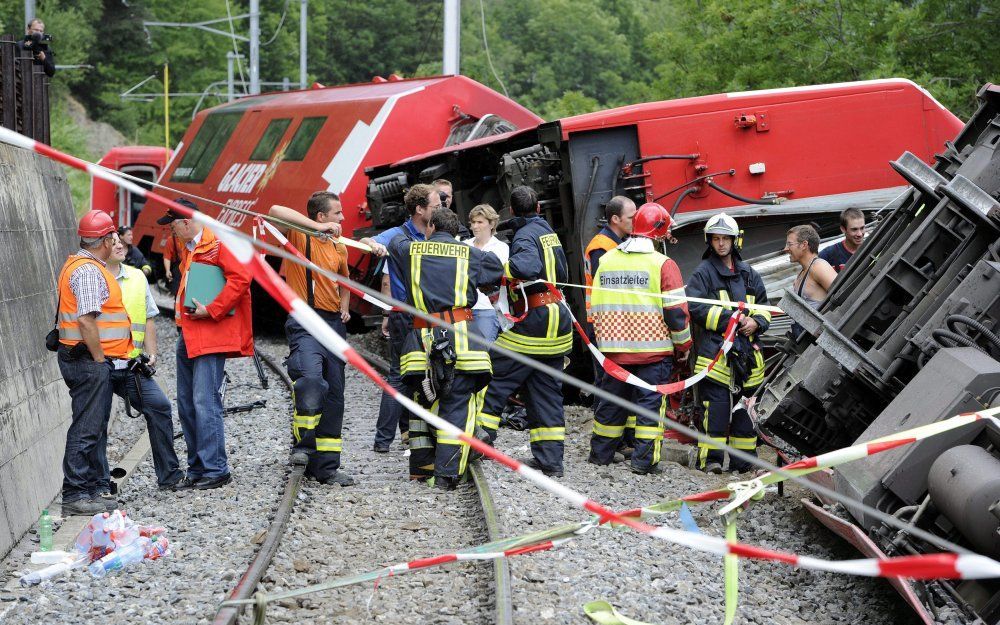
(908, 336)
(771, 158)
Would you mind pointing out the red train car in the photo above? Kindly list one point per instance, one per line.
(143, 162)
(279, 148)
(784, 156)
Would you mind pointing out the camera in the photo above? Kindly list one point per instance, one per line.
(37, 42)
(140, 364)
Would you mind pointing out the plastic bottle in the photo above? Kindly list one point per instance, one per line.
(158, 547)
(120, 558)
(45, 532)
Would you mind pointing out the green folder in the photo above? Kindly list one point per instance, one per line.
(204, 283)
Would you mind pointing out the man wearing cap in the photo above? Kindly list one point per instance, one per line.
(208, 334)
(93, 327)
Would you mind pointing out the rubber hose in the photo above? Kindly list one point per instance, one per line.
(680, 198)
(954, 320)
(947, 338)
(740, 198)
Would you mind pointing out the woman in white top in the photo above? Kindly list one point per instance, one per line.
(483, 223)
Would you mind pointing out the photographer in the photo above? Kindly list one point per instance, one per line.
(132, 378)
(36, 42)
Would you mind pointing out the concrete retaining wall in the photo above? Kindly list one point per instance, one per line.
(37, 231)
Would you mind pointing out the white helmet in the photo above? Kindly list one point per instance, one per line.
(723, 224)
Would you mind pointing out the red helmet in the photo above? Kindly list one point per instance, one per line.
(652, 221)
(95, 224)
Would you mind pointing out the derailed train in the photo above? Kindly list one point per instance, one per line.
(909, 336)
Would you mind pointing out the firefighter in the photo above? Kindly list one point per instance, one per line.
(640, 333)
(93, 328)
(440, 366)
(724, 276)
(618, 213)
(318, 375)
(543, 334)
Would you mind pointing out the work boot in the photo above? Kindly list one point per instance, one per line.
(446, 483)
(299, 458)
(341, 478)
(534, 464)
(713, 467)
(626, 451)
(106, 499)
(380, 448)
(655, 469)
(83, 507)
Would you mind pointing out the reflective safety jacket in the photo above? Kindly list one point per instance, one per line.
(603, 242)
(134, 286)
(628, 322)
(113, 325)
(714, 280)
(536, 253)
(440, 274)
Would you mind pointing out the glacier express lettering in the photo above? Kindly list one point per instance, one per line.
(242, 177)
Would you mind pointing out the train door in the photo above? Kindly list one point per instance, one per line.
(130, 205)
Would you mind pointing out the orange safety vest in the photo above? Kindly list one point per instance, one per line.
(599, 242)
(113, 325)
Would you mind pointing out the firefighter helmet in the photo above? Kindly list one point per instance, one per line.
(724, 224)
(95, 224)
(652, 221)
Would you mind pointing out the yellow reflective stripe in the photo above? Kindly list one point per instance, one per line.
(329, 444)
(648, 432)
(716, 443)
(471, 408)
(461, 282)
(720, 372)
(724, 295)
(630, 421)
(418, 296)
(547, 434)
(506, 270)
(444, 438)
(712, 319)
(608, 431)
(550, 263)
(679, 294)
(535, 345)
(308, 422)
(421, 442)
(553, 329)
(488, 421)
(749, 443)
(682, 336)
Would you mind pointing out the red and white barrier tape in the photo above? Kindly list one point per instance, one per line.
(291, 249)
(945, 565)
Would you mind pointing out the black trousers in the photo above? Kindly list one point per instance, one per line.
(543, 400)
(319, 397)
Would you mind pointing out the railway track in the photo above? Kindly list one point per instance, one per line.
(303, 499)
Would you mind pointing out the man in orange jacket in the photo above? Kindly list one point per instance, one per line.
(208, 335)
(93, 329)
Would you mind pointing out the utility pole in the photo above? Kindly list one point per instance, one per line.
(303, 36)
(452, 19)
(29, 10)
(254, 47)
(230, 87)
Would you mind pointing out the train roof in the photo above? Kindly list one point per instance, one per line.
(378, 89)
(748, 99)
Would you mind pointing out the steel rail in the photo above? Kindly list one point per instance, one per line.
(501, 567)
(247, 584)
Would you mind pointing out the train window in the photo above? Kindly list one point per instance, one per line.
(486, 126)
(303, 138)
(269, 140)
(206, 147)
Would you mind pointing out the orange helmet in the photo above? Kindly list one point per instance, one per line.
(95, 224)
(652, 221)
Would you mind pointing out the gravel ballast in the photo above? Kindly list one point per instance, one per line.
(337, 531)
